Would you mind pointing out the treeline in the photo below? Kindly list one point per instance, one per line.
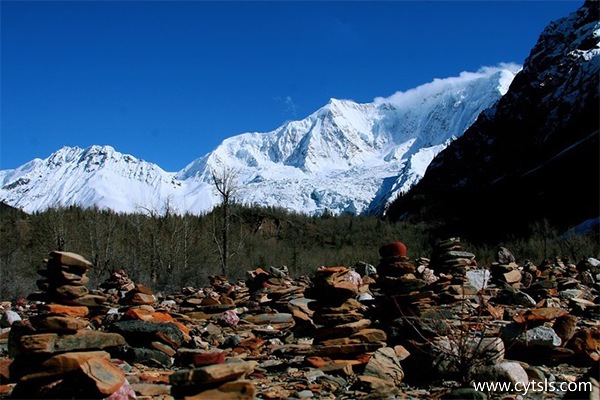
(167, 251)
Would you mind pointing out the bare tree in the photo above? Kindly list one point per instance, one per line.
(225, 181)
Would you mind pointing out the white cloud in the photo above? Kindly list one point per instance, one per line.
(412, 96)
(290, 106)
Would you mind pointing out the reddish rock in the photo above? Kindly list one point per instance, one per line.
(370, 335)
(89, 300)
(317, 362)
(565, 327)
(57, 323)
(59, 365)
(539, 315)
(168, 350)
(151, 389)
(67, 311)
(343, 330)
(47, 343)
(212, 373)
(393, 249)
(105, 377)
(71, 291)
(238, 390)
(70, 259)
(199, 358)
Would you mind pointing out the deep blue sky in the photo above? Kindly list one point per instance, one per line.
(168, 81)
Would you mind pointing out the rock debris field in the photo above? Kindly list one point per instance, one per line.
(405, 328)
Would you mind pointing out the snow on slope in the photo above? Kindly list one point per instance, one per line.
(345, 157)
(350, 157)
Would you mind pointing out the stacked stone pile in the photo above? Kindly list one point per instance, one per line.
(64, 280)
(56, 354)
(407, 329)
(116, 286)
(275, 288)
(229, 293)
(400, 287)
(342, 327)
(506, 271)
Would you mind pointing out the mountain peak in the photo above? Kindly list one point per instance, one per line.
(344, 157)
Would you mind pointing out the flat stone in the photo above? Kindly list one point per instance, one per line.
(70, 259)
(199, 315)
(213, 373)
(148, 316)
(340, 330)
(105, 376)
(345, 349)
(541, 314)
(141, 355)
(142, 334)
(344, 369)
(55, 366)
(401, 352)
(337, 318)
(168, 350)
(59, 277)
(89, 300)
(370, 335)
(71, 291)
(48, 343)
(138, 299)
(151, 389)
(513, 276)
(68, 311)
(271, 318)
(58, 323)
(198, 357)
(238, 390)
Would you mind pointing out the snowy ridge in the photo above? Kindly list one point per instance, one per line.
(346, 157)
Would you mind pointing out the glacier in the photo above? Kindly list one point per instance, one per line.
(346, 157)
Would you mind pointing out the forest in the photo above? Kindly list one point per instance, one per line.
(167, 252)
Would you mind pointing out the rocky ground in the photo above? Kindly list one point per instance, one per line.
(424, 328)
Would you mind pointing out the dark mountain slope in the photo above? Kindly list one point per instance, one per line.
(534, 155)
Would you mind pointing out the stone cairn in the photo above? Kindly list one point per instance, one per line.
(57, 354)
(275, 288)
(153, 337)
(342, 328)
(400, 287)
(116, 286)
(452, 263)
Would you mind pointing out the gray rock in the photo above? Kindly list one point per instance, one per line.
(385, 364)
(465, 394)
(539, 336)
(504, 256)
(478, 278)
(507, 371)
(570, 293)
(9, 318)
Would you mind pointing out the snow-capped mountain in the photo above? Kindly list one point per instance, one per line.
(534, 155)
(345, 158)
